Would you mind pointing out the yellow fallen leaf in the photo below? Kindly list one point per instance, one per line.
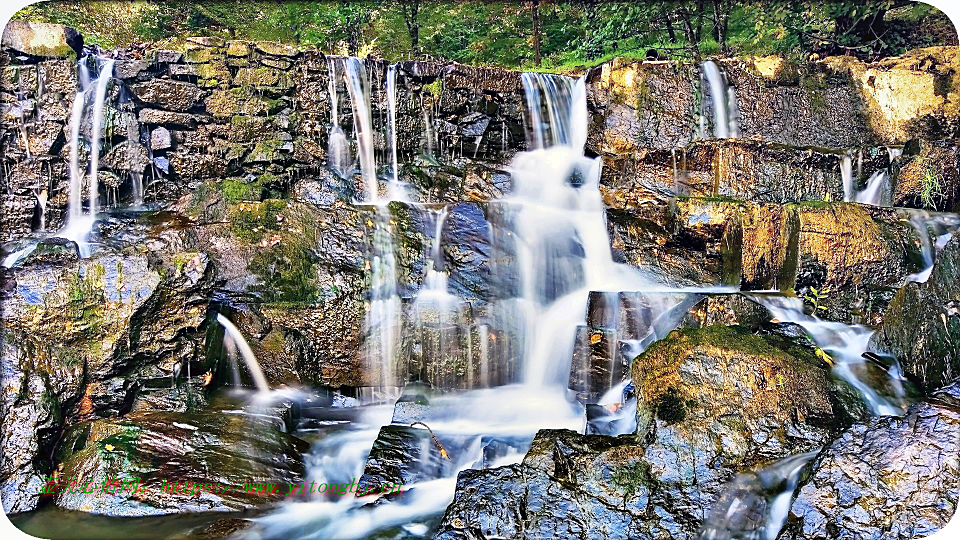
(109, 447)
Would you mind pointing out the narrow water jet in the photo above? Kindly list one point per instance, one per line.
(259, 380)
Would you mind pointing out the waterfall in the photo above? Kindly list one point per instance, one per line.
(846, 175)
(565, 101)
(938, 227)
(877, 192)
(557, 220)
(442, 333)
(358, 86)
(79, 224)
(724, 100)
(106, 71)
(245, 352)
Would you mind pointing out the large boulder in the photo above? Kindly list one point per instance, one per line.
(891, 477)
(922, 325)
(42, 39)
(722, 398)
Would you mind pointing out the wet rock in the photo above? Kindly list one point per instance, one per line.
(53, 252)
(225, 103)
(855, 257)
(703, 419)
(891, 477)
(40, 382)
(746, 170)
(922, 325)
(128, 156)
(42, 39)
(191, 166)
(226, 454)
(909, 96)
(930, 179)
(154, 116)
(404, 455)
(640, 105)
(694, 241)
(167, 94)
(269, 80)
(267, 47)
(160, 139)
(16, 215)
(117, 315)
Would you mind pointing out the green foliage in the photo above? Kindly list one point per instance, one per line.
(932, 190)
(573, 34)
(815, 297)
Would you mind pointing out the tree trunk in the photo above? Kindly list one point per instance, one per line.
(721, 16)
(411, 9)
(671, 33)
(536, 31)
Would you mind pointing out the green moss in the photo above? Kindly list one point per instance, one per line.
(815, 86)
(287, 270)
(670, 407)
(240, 191)
(120, 445)
(631, 478)
(251, 222)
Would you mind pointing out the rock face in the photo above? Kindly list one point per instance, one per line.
(39, 386)
(838, 102)
(207, 461)
(712, 402)
(855, 256)
(922, 325)
(42, 39)
(892, 477)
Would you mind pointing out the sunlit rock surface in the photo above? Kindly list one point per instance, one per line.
(891, 477)
(42, 39)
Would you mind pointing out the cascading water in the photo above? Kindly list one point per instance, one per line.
(358, 86)
(846, 176)
(396, 190)
(877, 192)
(934, 231)
(79, 223)
(382, 320)
(755, 505)
(846, 345)
(724, 102)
